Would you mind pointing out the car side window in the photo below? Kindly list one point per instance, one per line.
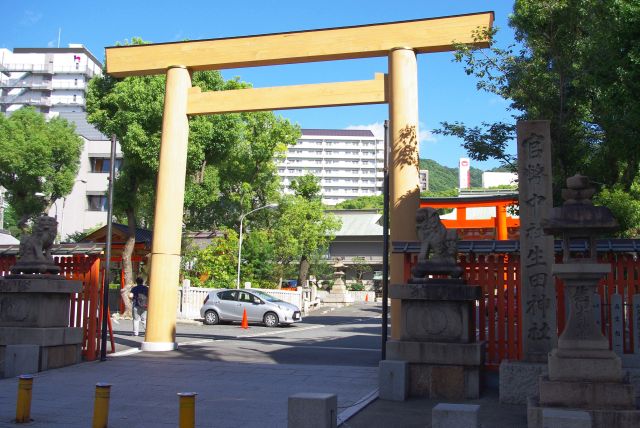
(245, 297)
(228, 295)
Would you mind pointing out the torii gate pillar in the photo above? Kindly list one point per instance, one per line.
(404, 161)
(165, 250)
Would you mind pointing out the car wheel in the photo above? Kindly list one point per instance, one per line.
(211, 318)
(271, 319)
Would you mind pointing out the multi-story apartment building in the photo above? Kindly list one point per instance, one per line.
(53, 80)
(349, 163)
(86, 206)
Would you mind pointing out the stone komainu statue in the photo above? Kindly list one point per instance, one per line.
(35, 249)
(438, 246)
(436, 242)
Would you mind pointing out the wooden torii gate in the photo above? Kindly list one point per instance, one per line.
(399, 41)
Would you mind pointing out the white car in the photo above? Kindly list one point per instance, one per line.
(229, 305)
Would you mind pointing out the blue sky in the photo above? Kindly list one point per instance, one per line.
(446, 93)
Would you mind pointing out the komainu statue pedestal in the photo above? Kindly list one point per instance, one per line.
(438, 338)
(34, 309)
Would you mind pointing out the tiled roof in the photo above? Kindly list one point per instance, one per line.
(337, 132)
(83, 127)
(359, 222)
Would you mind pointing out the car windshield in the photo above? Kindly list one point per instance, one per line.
(265, 296)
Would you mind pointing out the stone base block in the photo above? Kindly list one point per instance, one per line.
(600, 418)
(464, 354)
(45, 336)
(393, 379)
(586, 395)
(446, 382)
(560, 418)
(52, 357)
(313, 410)
(585, 369)
(446, 415)
(519, 381)
(16, 360)
(338, 300)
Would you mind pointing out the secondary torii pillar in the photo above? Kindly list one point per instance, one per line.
(404, 161)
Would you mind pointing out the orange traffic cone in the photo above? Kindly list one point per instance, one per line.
(245, 323)
(366, 297)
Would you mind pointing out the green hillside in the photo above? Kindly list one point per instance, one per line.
(444, 178)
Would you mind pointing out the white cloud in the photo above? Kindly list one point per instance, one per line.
(424, 136)
(377, 128)
(30, 17)
(51, 43)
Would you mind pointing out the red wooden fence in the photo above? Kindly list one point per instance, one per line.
(499, 312)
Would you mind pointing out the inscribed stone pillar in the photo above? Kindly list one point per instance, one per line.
(538, 297)
(404, 174)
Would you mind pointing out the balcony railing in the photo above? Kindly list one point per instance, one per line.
(46, 69)
(21, 83)
(26, 99)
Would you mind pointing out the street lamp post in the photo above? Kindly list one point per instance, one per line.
(240, 237)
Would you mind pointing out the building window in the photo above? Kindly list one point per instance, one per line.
(97, 202)
(103, 164)
(75, 82)
(74, 97)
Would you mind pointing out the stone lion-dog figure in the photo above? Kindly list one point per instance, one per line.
(437, 244)
(35, 249)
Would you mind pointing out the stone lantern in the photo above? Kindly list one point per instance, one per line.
(339, 295)
(583, 373)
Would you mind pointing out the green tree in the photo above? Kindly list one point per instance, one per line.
(303, 229)
(568, 70)
(218, 261)
(307, 186)
(39, 161)
(230, 166)
(360, 267)
(375, 202)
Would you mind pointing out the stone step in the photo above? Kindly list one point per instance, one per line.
(587, 395)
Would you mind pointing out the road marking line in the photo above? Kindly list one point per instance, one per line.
(125, 352)
(334, 347)
(198, 342)
(271, 333)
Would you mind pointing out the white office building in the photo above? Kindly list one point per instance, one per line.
(349, 163)
(53, 80)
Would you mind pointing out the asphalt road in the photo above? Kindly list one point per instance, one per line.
(342, 336)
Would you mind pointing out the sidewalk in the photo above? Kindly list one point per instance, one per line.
(144, 387)
(230, 394)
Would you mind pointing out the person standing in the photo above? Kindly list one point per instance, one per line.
(140, 295)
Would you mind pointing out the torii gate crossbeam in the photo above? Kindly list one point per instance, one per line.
(399, 41)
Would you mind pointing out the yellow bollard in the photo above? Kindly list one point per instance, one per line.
(101, 405)
(23, 404)
(187, 409)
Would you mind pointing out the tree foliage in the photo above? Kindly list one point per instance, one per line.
(576, 64)
(559, 74)
(375, 202)
(230, 167)
(39, 161)
(302, 229)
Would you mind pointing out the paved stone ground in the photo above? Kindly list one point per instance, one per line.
(416, 412)
(144, 391)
